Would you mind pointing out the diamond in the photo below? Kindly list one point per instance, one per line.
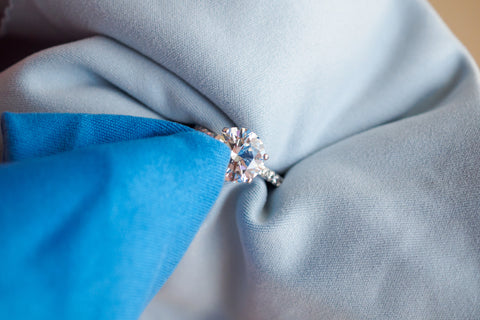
(247, 154)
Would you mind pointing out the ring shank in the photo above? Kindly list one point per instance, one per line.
(271, 176)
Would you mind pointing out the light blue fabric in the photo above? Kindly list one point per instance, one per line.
(370, 108)
(97, 210)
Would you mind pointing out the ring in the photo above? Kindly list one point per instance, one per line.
(247, 155)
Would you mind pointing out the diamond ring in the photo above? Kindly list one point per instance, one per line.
(247, 155)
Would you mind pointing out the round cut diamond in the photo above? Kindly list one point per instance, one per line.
(247, 155)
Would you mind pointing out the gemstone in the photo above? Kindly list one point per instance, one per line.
(247, 154)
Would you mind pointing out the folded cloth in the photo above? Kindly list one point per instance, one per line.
(370, 108)
(91, 225)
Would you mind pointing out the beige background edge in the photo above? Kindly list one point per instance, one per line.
(463, 18)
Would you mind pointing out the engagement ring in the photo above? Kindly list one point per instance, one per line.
(247, 155)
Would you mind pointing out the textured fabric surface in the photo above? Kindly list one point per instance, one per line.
(370, 108)
(34, 135)
(94, 229)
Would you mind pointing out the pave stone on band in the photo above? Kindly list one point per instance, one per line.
(247, 155)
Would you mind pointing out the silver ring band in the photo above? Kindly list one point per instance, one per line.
(271, 176)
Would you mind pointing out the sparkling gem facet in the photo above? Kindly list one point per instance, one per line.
(247, 155)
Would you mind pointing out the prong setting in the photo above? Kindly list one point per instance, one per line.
(247, 156)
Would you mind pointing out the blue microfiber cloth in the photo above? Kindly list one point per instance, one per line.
(97, 210)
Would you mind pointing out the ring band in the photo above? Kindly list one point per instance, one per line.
(247, 155)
